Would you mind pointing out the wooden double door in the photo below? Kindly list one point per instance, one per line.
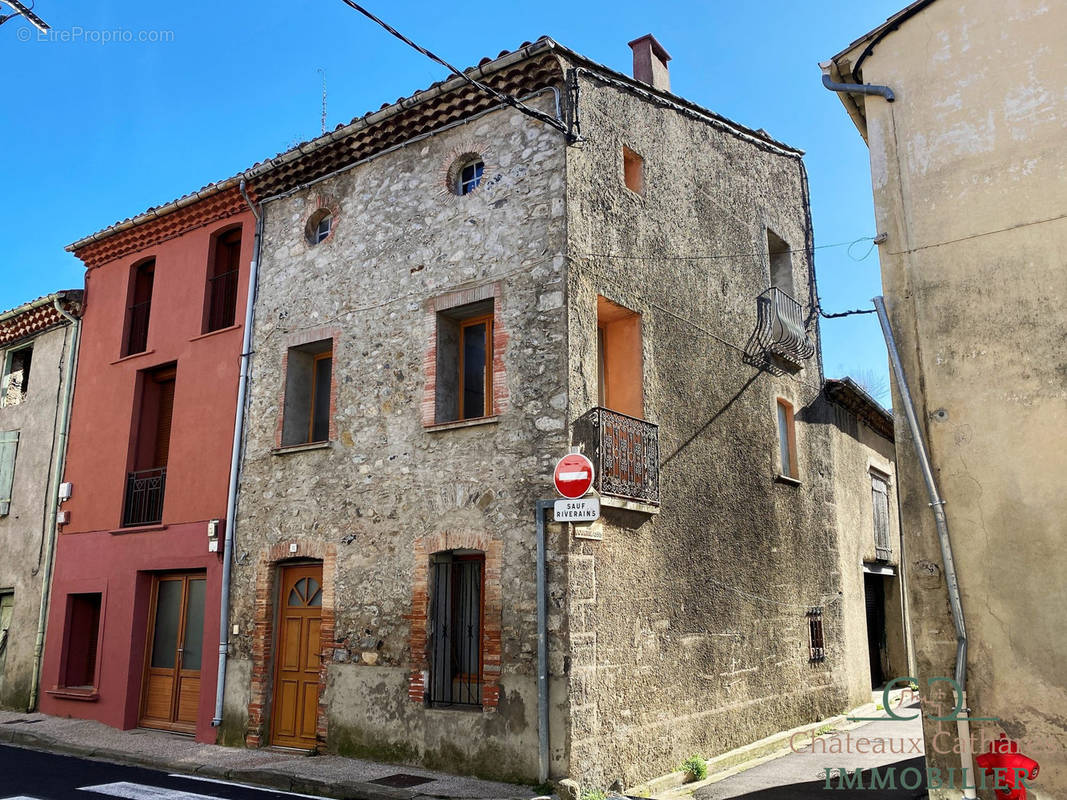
(297, 657)
(170, 696)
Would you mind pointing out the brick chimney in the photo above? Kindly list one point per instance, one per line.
(650, 62)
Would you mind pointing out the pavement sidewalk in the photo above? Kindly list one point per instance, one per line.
(326, 775)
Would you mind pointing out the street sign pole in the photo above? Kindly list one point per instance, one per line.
(541, 507)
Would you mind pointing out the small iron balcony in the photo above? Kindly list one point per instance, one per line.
(624, 451)
(780, 331)
(144, 497)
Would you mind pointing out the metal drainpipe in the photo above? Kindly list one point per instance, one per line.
(963, 727)
(235, 465)
(855, 88)
(53, 501)
(540, 507)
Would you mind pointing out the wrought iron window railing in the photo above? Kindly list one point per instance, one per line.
(144, 497)
(780, 329)
(456, 631)
(137, 335)
(223, 306)
(624, 451)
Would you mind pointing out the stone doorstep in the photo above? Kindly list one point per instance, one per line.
(673, 786)
(256, 776)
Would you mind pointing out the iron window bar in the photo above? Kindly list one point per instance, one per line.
(144, 497)
(816, 645)
(456, 634)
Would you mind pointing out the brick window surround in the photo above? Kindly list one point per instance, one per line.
(270, 560)
(298, 339)
(424, 549)
(463, 297)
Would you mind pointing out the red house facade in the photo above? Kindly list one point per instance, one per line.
(134, 621)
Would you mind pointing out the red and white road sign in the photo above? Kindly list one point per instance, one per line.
(573, 476)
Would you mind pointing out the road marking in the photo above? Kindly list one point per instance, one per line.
(244, 786)
(140, 791)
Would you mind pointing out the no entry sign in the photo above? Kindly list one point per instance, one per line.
(573, 476)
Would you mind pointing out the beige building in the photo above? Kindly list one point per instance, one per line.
(969, 170)
(36, 343)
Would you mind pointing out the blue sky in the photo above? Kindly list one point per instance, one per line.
(95, 130)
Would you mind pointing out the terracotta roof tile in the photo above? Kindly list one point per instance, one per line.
(38, 315)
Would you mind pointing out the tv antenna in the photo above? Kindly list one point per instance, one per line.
(322, 72)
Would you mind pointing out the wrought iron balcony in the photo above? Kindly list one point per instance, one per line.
(144, 497)
(780, 331)
(624, 451)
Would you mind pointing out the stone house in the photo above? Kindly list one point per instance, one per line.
(453, 293)
(967, 171)
(38, 341)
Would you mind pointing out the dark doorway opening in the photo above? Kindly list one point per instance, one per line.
(874, 596)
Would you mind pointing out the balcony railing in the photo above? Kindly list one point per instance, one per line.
(144, 497)
(780, 330)
(624, 451)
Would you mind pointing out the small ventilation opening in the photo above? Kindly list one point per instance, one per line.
(633, 167)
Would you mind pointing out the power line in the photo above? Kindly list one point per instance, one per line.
(714, 256)
(506, 99)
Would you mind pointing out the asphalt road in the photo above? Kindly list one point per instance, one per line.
(802, 774)
(33, 775)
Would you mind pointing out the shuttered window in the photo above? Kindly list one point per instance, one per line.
(166, 411)
(9, 442)
(880, 501)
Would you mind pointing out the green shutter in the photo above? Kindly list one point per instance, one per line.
(9, 442)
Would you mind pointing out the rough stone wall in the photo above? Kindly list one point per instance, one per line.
(688, 628)
(21, 531)
(858, 450)
(387, 484)
(969, 184)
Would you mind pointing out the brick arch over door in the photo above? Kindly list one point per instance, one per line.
(267, 571)
(425, 547)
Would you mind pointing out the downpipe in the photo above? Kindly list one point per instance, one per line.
(937, 505)
(53, 502)
(855, 88)
(235, 464)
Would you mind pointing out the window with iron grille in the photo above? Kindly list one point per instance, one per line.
(880, 501)
(456, 629)
(222, 281)
(816, 648)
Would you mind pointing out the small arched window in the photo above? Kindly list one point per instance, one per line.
(470, 175)
(319, 226)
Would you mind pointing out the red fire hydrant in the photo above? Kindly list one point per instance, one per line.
(1008, 767)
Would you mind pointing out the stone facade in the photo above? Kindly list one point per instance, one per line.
(25, 523)
(685, 627)
(967, 170)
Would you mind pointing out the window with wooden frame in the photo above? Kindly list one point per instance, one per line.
(787, 441)
(816, 646)
(225, 266)
(464, 376)
(308, 394)
(139, 307)
(455, 630)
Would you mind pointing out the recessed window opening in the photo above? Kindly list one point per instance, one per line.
(139, 307)
(222, 281)
(620, 370)
(146, 482)
(9, 444)
(319, 226)
(781, 263)
(83, 634)
(16, 380)
(7, 605)
(308, 393)
(787, 441)
(465, 363)
(633, 167)
(455, 631)
(816, 646)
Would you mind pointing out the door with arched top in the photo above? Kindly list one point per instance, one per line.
(297, 657)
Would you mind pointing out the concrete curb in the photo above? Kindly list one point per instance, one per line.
(255, 776)
(673, 786)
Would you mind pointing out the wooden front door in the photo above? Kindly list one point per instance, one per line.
(297, 658)
(171, 689)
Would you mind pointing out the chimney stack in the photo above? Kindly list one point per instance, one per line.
(650, 62)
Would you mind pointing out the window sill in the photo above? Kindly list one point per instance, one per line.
(235, 327)
(462, 423)
(88, 694)
(628, 505)
(300, 448)
(787, 480)
(139, 529)
(132, 356)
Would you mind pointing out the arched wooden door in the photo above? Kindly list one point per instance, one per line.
(297, 660)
